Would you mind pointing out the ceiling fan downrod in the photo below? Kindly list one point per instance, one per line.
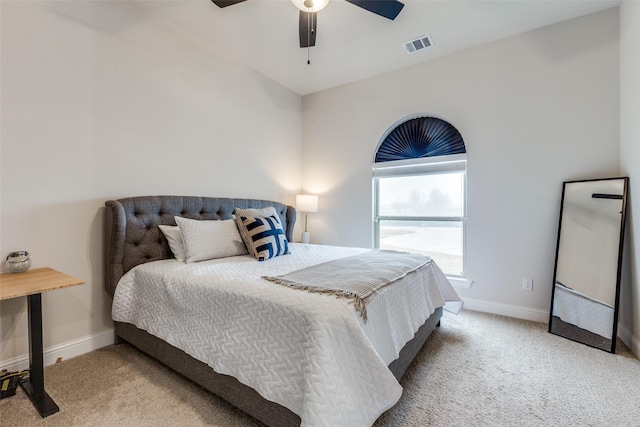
(310, 32)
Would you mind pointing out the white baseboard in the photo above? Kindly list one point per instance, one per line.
(516, 311)
(65, 351)
(635, 346)
(629, 340)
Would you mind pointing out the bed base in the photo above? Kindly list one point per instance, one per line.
(233, 391)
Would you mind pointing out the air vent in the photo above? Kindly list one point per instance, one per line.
(420, 43)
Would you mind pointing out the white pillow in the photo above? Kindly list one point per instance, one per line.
(210, 239)
(252, 213)
(174, 237)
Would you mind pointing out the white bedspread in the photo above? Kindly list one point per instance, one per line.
(309, 352)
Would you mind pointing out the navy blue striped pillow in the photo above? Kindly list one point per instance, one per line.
(266, 236)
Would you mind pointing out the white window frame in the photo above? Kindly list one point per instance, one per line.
(424, 166)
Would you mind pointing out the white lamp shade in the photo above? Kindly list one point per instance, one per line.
(307, 203)
(310, 5)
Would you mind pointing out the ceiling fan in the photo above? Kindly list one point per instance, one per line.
(309, 8)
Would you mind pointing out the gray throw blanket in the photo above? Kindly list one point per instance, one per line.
(356, 277)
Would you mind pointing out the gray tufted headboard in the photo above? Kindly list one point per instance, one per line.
(132, 235)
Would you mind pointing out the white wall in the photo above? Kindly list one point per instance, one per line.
(535, 110)
(102, 100)
(630, 165)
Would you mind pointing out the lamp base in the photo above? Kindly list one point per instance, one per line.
(306, 236)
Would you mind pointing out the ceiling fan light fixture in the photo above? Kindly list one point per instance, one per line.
(310, 5)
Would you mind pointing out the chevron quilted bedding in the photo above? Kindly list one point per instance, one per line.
(309, 352)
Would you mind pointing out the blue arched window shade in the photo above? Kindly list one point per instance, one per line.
(420, 137)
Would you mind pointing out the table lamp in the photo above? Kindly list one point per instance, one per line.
(306, 203)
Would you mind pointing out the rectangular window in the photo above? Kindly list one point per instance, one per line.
(421, 209)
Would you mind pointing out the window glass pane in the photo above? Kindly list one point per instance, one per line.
(441, 240)
(422, 195)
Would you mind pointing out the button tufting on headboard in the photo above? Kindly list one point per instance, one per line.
(132, 235)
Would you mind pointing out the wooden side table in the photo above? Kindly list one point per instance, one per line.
(31, 284)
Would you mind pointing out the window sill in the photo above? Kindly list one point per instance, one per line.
(460, 282)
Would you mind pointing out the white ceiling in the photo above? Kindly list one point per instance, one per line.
(353, 43)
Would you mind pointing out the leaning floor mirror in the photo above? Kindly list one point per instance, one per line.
(586, 282)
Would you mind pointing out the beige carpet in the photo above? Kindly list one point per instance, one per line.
(475, 370)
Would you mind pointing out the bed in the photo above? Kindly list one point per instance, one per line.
(136, 249)
(581, 318)
(583, 311)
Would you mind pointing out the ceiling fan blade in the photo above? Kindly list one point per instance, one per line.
(307, 28)
(387, 8)
(225, 3)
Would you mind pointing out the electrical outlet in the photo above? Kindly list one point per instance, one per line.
(527, 284)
